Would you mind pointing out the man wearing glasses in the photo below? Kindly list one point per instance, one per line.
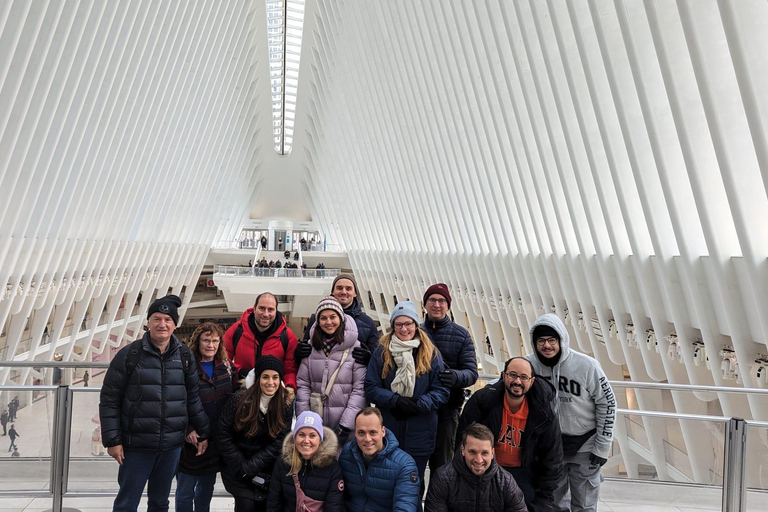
(519, 410)
(458, 351)
(586, 408)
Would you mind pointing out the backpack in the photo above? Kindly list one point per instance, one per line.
(134, 354)
(239, 332)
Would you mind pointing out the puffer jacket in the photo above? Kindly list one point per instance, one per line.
(389, 483)
(347, 395)
(319, 478)
(455, 345)
(214, 392)
(150, 410)
(542, 447)
(454, 488)
(367, 332)
(415, 433)
(245, 358)
(245, 457)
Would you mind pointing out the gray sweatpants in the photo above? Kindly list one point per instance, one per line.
(579, 488)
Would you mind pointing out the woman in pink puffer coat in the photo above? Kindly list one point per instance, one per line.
(333, 337)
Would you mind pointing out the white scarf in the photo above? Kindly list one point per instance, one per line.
(405, 376)
(264, 402)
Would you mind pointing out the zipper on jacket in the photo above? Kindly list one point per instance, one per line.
(162, 399)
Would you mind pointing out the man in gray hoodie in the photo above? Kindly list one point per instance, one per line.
(586, 409)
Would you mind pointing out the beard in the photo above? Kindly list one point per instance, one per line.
(516, 390)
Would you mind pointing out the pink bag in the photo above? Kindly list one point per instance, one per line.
(303, 502)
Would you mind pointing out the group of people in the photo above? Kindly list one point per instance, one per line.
(263, 263)
(534, 440)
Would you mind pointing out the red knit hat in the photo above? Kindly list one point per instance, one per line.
(440, 289)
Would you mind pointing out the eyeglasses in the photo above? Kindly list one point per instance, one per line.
(404, 325)
(439, 302)
(547, 341)
(513, 377)
(214, 341)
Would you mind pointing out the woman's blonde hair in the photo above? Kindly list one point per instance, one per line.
(426, 354)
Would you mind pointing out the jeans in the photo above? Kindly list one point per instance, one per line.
(194, 489)
(140, 466)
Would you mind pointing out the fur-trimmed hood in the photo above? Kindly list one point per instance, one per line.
(323, 457)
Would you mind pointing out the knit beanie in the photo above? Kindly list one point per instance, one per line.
(543, 331)
(405, 308)
(331, 303)
(311, 420)
(440, 289)
(264, 363)
(346, 276)
(167, 305)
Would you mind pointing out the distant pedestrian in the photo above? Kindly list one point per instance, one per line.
(13, 435)
(4, 421)
(13, 407)
(86, 378)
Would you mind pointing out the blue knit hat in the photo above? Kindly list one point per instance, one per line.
(405, 308)
(311, 420)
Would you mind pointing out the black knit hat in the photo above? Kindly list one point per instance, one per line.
(541, 331)
(268, 363)
(167, 305)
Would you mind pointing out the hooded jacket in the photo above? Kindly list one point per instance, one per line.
(151, 408)
(320, 477)
(388, 483)
(542, 449)
(585, 399)
(454, 488)
(367, 332)
(416, 434)
(245, 358)
(245, 457)
(347, 395)
(458, 351)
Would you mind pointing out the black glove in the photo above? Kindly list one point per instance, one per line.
(243, 372)
(361, 355)
(597, 460)
(303, 349)
(448, 378)
(407, 406)
(342, 433)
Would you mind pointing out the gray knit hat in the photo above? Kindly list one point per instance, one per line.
(405, 308)
(346, 276)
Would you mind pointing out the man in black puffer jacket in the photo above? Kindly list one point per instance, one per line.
(150, 395)
(458, 351)
(473, 481)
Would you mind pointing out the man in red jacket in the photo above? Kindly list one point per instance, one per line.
(259, 332)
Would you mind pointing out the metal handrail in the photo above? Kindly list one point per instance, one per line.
(51, 364)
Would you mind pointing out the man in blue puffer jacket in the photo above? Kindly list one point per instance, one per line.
(458, 351)
(379, 476)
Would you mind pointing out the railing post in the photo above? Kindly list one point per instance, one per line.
(734, 485)
(62, 429)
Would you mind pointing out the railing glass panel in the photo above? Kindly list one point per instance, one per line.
(756, 472)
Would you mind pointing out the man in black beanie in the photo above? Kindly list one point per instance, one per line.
(150, 395)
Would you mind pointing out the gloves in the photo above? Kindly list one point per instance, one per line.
(342, 433)
(448, 378)
(407, 406)
(303, 349)
(597, 460)
(361, 355)
(243, 373)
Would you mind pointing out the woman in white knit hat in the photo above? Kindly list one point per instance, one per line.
(402, 381)
(330, 382)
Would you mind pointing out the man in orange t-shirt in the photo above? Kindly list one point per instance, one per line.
(519, 410)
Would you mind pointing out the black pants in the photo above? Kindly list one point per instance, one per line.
(444, 441)
(248, 505)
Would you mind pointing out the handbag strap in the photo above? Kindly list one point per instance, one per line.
(336, 373)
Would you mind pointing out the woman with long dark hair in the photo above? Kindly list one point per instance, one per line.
(330, 382)
(197, 473)
(252, 427)
(402, 381)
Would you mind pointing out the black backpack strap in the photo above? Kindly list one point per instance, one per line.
(236, 338)
(186, 356)
(134, 354)
(284, 341)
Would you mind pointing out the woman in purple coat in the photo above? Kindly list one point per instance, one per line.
(333, 337)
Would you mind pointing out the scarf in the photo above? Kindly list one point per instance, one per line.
(264, 403)
(405, 376)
